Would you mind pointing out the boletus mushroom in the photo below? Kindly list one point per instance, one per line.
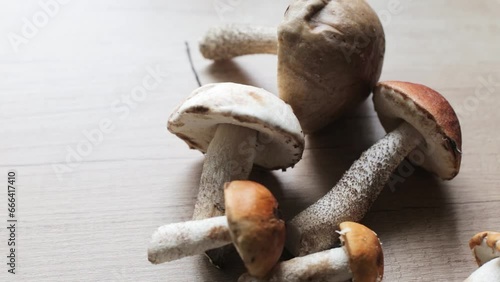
(252, 224)
(236, 126)
(330, 55)
(486, 249)
(485, 246)
(414, 115)
(360, 258)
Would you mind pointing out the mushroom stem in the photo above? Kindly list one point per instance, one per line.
(174, 241)
(227, 42)
(314, 228)
(229, 157)
(488, 272)
(331, 265)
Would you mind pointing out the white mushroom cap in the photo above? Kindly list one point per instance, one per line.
(280, 141)
(428, 112)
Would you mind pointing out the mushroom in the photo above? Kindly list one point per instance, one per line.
(236, 126)
(360, 258)
(485, 246)
(414, 115)
(486, 249)
(252, 223)
(330, 55)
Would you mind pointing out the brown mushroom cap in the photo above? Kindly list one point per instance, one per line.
(366, 258)
(431, 114)
(485, 246)
(256, 229)
(330, 56)
(280, 141)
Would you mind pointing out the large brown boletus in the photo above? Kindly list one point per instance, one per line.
(330, 55)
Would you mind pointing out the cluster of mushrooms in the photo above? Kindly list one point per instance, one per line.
(330, 56)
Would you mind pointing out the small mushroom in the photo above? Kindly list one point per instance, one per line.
(485, 246)
(252, 223)
(360, 258)
(413, 115)
(236, 126)
(330, 55)
(256, 228)
(486, 249)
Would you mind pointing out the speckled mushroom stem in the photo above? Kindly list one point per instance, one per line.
(313, 229)
(229, 157)
(488, 272)
(177, 240)
(331, 265)
(226, 42)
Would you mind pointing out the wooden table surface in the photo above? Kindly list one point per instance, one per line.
(86, 210)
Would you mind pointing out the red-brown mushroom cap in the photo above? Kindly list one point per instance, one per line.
(366, 258)
(256, 229)
(485, 246)
(431, 114)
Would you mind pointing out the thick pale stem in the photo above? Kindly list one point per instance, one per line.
(488, 272)
(314, 228)
(331, 265)
(226, 42)
(229, 156)
(174, 241)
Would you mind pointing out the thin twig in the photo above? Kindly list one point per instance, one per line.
(188, 51)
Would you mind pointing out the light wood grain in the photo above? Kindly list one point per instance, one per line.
(94, 223)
